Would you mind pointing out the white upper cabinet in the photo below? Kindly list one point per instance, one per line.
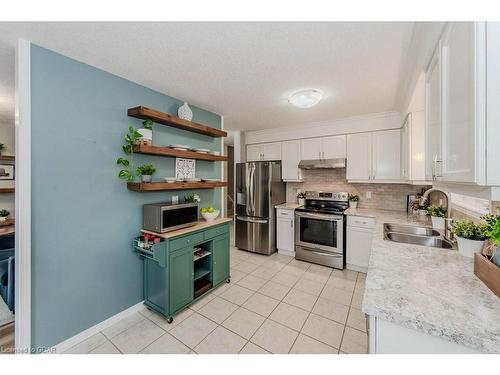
(264, 151)
(333, 147)
(433, 120)
(386, 146)
(290, 170)
(310, 149)
(359, 156)
(458, 93)
(323, 148)
(254, 152)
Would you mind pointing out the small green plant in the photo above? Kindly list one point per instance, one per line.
(146, 170)
(494, 234)
(470, 230)
(4, 213)
(353, 197)
(148, 124)
(301, 195)
(189, 198)
(437, 211)
(131, 139)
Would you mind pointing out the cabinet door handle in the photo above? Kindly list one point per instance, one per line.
(291, 223)
(319, 155)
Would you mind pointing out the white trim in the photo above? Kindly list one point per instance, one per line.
(89, 332)
(349, 125)
(222, 172)
(23, 197)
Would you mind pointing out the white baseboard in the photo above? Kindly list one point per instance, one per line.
(82, 336)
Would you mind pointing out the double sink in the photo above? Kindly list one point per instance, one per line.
(422, 236)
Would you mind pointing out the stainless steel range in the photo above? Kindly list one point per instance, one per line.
(320, 228)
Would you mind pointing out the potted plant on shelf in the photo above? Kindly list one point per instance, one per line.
(437, 213)
(492, 250)
(301, 197)
(471, 237)
(353, 200)
(131, 139)
(4, 214)
(147, 133)
(146, 172)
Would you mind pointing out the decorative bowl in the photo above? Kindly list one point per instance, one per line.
(210, 216)
(170, 180)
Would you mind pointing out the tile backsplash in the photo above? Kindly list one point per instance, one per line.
(383, 196)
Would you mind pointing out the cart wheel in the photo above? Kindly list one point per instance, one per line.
(170, 320)
(228, 281)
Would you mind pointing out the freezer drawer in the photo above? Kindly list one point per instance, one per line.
(255, 234)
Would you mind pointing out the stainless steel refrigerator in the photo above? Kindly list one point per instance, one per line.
(259, 188)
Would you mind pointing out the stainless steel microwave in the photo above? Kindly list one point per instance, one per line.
(165, 217)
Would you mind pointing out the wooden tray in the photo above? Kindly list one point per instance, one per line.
(488, 272)
(7, 222)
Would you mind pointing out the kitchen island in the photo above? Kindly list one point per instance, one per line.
(186, 264)
(423, 299)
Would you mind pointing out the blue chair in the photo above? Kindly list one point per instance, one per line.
(7, 267)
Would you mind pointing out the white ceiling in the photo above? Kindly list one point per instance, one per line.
(244, 71)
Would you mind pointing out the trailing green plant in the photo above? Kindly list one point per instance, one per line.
(146, 170)
(148, 124)
(494, 234)
(301, 195)
(4, 213)
(131, 138)
(437, 211)
(470, 230)
(353, 197)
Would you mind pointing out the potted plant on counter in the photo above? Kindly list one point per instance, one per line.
(471, 237)
(4, 214)
(492, 250)
(301, 197)
(437, 213)
(353, 200)
(146, 172)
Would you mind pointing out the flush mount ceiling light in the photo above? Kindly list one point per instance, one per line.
(305, 98)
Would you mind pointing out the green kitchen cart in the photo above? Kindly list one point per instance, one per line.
(182, 268)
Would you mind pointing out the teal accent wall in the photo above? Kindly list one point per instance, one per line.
(83, 217)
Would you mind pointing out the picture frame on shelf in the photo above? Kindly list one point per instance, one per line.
(7, 172)
(185, 168)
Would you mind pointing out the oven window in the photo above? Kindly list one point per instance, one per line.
(319, 232)
(179, 216)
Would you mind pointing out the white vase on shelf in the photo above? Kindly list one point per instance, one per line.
(184, 112)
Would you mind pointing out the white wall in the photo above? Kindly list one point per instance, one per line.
(372, 122)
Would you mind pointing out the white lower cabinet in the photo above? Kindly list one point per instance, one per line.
(359, 242)
(285, 232)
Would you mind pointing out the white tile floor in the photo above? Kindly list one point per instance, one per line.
(274, 304)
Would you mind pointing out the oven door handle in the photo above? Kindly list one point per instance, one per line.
(321, 217)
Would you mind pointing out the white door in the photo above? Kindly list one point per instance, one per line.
(405, 149)
(433, 117)
(310, 149)
(359, 156)
(359, 243)
(458, 143)
(254, 152)
(386, 155)
(333, 147)
(271, 151)
(284, 236)
(290, 170)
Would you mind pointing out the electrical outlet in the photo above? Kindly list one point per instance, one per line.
(175, 199)
(368, 195)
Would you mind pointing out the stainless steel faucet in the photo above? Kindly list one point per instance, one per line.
(448, 221)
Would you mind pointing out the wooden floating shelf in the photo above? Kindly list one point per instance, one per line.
(7, 157)
(159, 186)
(163, 118)
(7, 190)
(170, 152)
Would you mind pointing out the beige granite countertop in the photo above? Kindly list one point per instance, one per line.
(430, 290)
(288, 206)
(202, 224)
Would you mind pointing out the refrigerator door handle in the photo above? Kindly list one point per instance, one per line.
(251, 220)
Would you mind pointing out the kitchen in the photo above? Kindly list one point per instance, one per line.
(355, 193)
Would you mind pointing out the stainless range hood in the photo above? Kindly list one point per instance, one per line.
(323, 164)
